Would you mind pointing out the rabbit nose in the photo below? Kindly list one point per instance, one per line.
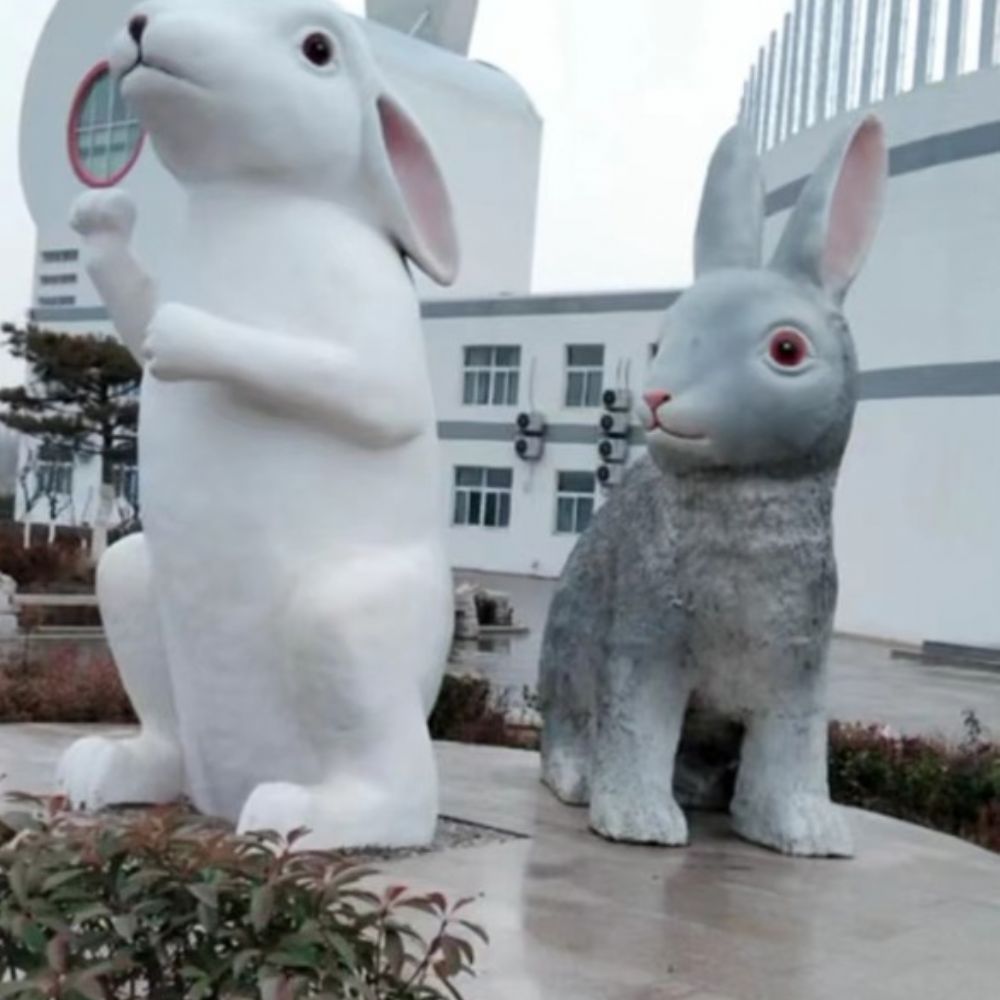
(656, 398)
(137, 27)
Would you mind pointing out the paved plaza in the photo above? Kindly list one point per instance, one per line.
(916, 916)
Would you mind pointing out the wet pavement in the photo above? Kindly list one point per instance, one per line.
(916, 916)
(866, 684)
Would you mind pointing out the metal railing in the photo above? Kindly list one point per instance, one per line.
(832, 56)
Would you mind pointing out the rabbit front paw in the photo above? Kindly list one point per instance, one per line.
(108, 213)
(96, 772)
(642, 821)
(179, 344)
(798, 824)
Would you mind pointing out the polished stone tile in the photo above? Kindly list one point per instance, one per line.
(916, 916)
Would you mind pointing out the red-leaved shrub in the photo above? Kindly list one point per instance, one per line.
(64, 687)
(64, 565)
(951, 788)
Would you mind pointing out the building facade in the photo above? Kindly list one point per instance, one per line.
(917, 533)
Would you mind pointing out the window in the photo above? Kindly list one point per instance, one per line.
(105, 138)
(54, 470)
(492, 376)
(125, 479)
(60, 256)
(59, 279)
(56, 301)
(584, 375)
(482, 496)
(575, 502)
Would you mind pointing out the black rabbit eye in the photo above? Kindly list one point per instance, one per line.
(318, 49)
(788, 348)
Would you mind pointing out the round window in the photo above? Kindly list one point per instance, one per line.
(105, 137)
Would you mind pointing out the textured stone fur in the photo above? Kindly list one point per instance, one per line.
(709, 576)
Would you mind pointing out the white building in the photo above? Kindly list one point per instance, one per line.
(918, 537)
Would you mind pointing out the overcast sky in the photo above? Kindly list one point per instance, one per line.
(634, 94)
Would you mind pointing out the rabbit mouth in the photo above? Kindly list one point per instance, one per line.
(680, 435)
(160, 68)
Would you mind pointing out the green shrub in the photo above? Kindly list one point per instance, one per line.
(952, 789)
(164, 906)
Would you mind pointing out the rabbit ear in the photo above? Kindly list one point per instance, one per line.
(418, 208)
(830, 231)
(731, 221)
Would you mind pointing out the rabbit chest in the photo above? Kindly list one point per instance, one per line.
(756, 575)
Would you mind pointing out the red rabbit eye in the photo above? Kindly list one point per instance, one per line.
(789, 348)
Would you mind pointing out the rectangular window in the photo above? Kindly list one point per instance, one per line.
(492, 376)
(54, 471)
(56, 301)
(59, 279)
(584, 375)
(482, 496)
(574, 502)
(125, 479)
(60, 256)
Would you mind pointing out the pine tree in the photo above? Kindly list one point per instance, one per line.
(80, 398)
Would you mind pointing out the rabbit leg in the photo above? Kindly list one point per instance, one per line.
(366, 644)
(782, 798)
(97, 772)
(641, 704)
(568, 667)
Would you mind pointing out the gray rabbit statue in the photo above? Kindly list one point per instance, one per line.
(709, 576)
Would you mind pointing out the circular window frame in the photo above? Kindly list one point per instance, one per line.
(76, 161)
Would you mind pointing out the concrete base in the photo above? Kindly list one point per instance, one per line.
(916, 916)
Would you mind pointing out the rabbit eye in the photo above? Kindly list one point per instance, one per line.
(788, 348)
(318, 49)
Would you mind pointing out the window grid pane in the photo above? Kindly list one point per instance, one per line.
(513, 388)
(584, 375)
(574, 501)
(106, 134)
(495, 374)
(483, 497)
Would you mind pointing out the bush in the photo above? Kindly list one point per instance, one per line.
(164, 906)
(952, 789)
(465, 713)
(63, 565)
(468, 711)
(65, 687)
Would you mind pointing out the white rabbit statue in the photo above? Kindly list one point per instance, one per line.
(710, 573)
(282, 625)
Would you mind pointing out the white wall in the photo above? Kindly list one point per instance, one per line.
(531, 544)
(917, 527)
(486, 132)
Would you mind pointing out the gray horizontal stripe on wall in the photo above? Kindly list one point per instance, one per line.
(79, 314)
(551, 305)
(528, 305)
(473, 430)
(908, 158)
(978, 378)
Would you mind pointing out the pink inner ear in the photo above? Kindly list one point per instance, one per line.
(855, 209)
(423, 190)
